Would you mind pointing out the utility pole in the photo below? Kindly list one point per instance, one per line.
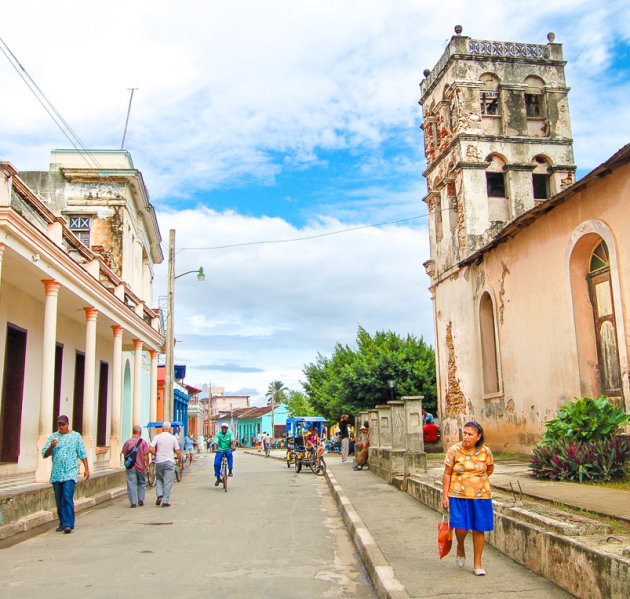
(170, 336)
(232, 421)
(273, 396)
(131, 89)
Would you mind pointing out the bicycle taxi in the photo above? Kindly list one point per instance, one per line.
(300, 450)
(151, 430)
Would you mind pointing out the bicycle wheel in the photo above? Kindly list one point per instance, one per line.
(321, 468)
(298, 465)
(178, 473)
(151, 474)
(224, 473)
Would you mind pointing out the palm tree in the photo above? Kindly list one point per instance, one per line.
(276, 394)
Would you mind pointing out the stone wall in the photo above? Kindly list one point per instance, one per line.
(396, 441)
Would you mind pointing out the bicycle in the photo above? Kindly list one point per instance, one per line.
(151, 474)
(224, 471)
(178, 471)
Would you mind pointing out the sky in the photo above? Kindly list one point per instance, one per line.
(260, 122)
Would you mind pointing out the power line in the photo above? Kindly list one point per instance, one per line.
(328, 234)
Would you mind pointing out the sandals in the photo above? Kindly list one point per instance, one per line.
(479, 572)
(461, 560)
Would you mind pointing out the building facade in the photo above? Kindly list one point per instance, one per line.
(521, 325)
(77, 337)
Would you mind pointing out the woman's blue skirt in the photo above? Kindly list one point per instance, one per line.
(471, 514)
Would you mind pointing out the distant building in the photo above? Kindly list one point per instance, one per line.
(527, 267)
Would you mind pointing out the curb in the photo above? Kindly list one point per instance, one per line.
(45, 516)
(382, 575)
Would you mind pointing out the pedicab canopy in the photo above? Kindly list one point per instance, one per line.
(298, 424)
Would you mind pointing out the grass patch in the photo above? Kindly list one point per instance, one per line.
(621, 485)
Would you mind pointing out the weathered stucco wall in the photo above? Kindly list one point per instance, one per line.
(541, 363)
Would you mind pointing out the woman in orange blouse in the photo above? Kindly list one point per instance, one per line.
(466, 492)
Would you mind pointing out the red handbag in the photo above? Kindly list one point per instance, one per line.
(445, 537)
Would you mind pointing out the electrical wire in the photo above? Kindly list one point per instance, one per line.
(307, 237)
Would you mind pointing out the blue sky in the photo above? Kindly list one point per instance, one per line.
(279, 120)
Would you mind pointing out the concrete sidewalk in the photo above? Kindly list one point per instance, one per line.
(405, 534)
(599, 500)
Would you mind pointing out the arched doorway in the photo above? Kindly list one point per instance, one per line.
(601, 296)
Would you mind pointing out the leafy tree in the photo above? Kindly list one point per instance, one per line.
(352, 380)
(276, 392)
(298, 404)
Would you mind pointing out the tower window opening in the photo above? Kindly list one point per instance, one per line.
(533, 105)
(495, 183)
(489, 103)
(541, 186)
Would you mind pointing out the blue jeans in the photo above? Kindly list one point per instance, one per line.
(64, 498)
(217, 461)
(136, 485)
(164, 473)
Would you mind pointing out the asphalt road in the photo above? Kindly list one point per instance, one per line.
(274, 534)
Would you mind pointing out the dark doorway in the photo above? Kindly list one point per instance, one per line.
(57, 389)
(101, 427)
(77, 401)
(12, 392)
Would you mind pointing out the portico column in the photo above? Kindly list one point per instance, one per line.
(153, 399)
(89, 378)
(2, 246)
(114, 439)
(137, 382)
(51, 288)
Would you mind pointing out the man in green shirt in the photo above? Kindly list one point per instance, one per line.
(223, 444)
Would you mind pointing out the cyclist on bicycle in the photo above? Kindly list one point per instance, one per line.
(223, 444)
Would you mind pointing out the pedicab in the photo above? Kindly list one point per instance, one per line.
(302, 450)
(151, 426)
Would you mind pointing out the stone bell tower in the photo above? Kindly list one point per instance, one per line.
(497, 137)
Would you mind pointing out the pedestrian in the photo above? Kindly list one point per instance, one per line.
(189, 447)
(136, 481)
(364, 447)
(427, 417)
(345, 437)
(258, 441)
(430, 432)
(263, 440)
(65, 447)
(166, 450)
(466, 492)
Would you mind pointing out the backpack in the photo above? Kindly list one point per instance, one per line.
(131, 455)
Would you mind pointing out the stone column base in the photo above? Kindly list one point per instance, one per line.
(44, 466)
(415, 462)
(114, 453)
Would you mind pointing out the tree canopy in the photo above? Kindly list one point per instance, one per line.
(298, 404)
(352, 380)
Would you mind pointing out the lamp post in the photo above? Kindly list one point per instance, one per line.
(392, 384)
(170, 324)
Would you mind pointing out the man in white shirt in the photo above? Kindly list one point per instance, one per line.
(165, 448)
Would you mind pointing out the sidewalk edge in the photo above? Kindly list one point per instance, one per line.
(382, 575)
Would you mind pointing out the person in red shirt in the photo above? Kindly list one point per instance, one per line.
(430, 432)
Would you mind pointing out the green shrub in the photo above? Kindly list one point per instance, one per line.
(563, 459)
(586, 419)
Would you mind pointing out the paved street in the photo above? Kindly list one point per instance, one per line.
(274, 534)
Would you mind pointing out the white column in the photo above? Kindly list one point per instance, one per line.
(51, 288)
(137, 382)
(2, 246)
(89, 379)
(115, 440)
(153, 399)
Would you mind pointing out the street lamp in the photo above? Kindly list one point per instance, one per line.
(392, 384)
(170, 324)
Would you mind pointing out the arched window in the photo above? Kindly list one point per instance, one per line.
(490, 105)
(534, 97)
(490, 363)
(495, 177)
(600, 291)
(541, 178)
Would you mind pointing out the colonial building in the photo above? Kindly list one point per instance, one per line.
(78, 335)
(526, 266)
